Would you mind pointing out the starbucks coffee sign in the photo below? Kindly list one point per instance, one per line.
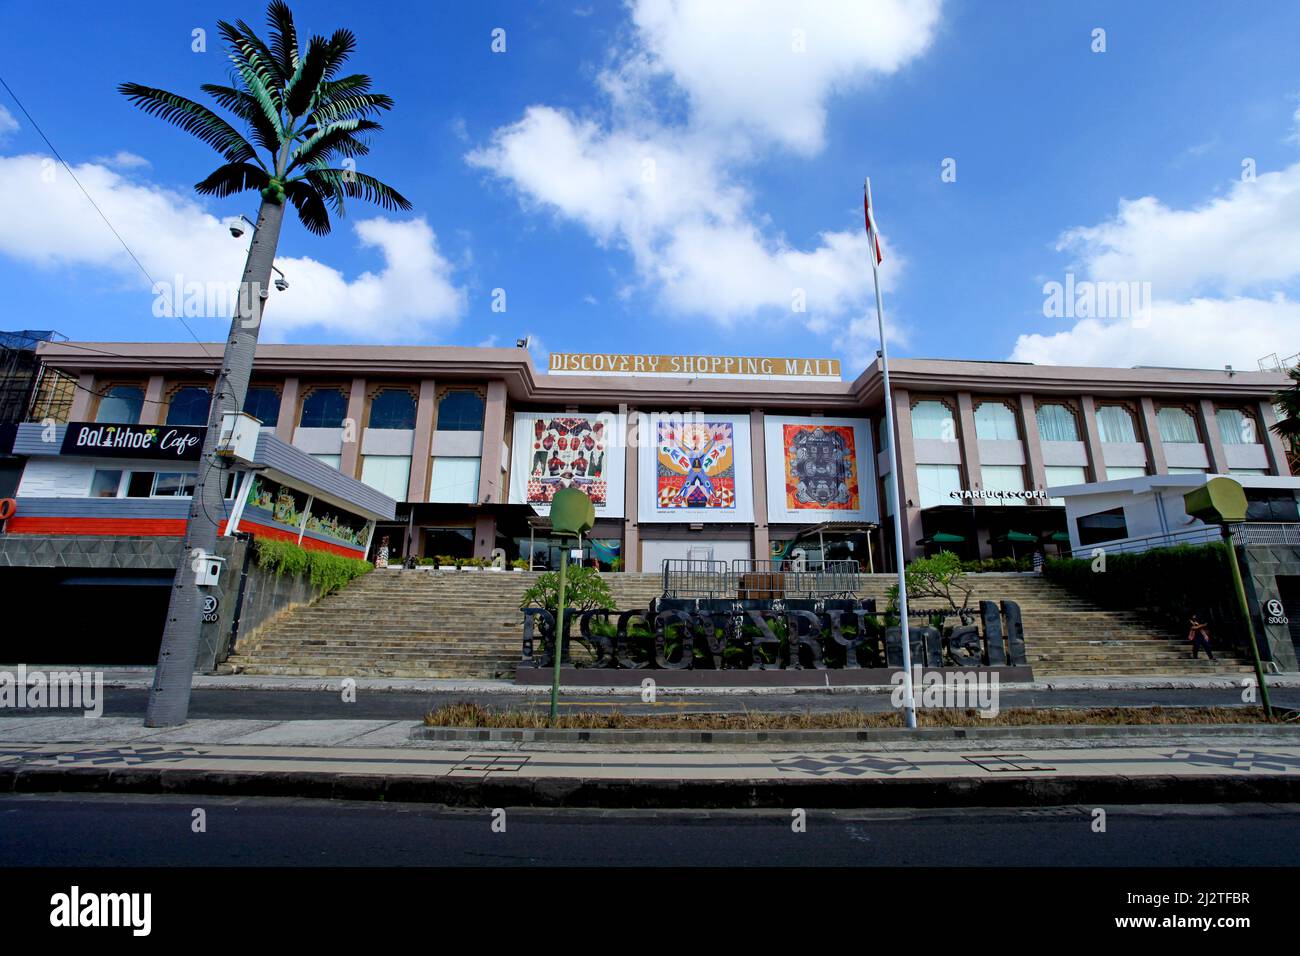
(116, 440)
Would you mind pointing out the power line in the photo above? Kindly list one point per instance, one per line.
(91, 200)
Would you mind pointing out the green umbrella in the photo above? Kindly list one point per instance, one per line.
(1020, 536)
(943, 537)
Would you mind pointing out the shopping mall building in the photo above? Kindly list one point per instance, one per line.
(685, 456)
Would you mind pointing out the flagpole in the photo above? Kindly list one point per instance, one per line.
(909, 700)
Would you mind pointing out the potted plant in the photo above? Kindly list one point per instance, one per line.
(519, 564)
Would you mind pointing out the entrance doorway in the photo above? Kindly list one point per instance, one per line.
(1288, 592)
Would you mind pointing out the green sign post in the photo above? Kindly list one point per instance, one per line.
(1222, 501)
(572, 515)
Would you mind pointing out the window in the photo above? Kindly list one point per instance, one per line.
(460, 411)
(1186, 471)
(189, 406)
(392, 408)
(1114, 474)
(1004, 478)
(1057, 423)
(104, 484)
(1236, 427)
(121, 404)
(1247, 471)
(454, 480)
(324, 408)
(1177, 426)
(1102, 526)
(263, 404)
(387, 474)
(1116, 424)
(173, 484)
(334, 461)
(140, 484)
(994, 421)
(1269, 504)
(936, 484)
(933, 420)
(1059, 476)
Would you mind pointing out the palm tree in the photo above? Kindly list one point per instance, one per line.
(308, 121)
(1287, 425)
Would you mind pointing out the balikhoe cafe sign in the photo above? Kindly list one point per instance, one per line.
(102, 439)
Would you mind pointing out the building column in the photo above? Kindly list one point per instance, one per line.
(417, 488)
(908, 510)
(1092, 438)
(351, 457)
(288, 417)
(631, 536)
(1276, 451)
(1213, 440)
(152, 412)
(1156, 461)
(969, 439)
(1033, 444)
(490, 488)
(758, 455)
(485, 535)
(82, 397)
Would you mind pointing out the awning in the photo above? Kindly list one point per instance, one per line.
(943, 537)
(1021, 537)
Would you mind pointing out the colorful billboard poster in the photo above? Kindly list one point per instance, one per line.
(270, 502)
(554, 450)
(814, 469)
(695, 467)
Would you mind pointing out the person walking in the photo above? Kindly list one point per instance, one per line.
(1199, 635)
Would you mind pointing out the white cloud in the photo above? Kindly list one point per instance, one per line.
(769, 66)
(123, 160)
(669, 192)
(50, 225)
(8, 124)
(1222, 280)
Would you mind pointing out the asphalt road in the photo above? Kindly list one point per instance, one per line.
(390, 705)
(67, 830)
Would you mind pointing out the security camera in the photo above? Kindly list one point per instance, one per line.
(281, 284)
(236, 229)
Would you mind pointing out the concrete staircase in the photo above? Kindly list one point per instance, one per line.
(426, 623)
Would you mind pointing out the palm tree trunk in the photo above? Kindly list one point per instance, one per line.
(169, 697)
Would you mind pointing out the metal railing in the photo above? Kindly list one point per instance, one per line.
(688, 578)
(694, 578)
(1285, 533)
(1200, 535)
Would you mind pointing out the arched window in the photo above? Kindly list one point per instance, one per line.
(392, 408)
(1177, 426)
(1115, 422)
(1236, 427)
(1057, 423)
(121, 404)
(460, 411)
(994, 421)
(324, 408)
(933, 420)
(189, 406)
(263, 404)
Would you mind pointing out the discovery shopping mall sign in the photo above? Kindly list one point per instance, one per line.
(694, 366)
(115, 440)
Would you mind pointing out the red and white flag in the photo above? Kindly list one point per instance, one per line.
(871, 226)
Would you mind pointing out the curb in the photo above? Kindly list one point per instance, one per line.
(581, 792)
(1285, 734)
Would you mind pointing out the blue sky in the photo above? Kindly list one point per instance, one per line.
(662, 177)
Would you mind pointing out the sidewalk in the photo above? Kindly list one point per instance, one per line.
(140, 678)
(359, 759)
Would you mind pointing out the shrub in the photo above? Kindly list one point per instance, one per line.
(1166, 583)
(520, 564)
(327, 572)
(939, 576)
(985, 565)
(584, 589)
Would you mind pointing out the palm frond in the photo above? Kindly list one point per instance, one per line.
(303, 85)
(233, 178)
(337, 106)
(243, 105)
(311, 208)
(192, 117)
(341, 46)
(267, 104)
(284, 37)
(335, 138)
(250, 54)
(359, 186)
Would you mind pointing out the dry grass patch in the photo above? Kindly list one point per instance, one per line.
(464, 714)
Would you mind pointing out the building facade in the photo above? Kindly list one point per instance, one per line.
(702, 456)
